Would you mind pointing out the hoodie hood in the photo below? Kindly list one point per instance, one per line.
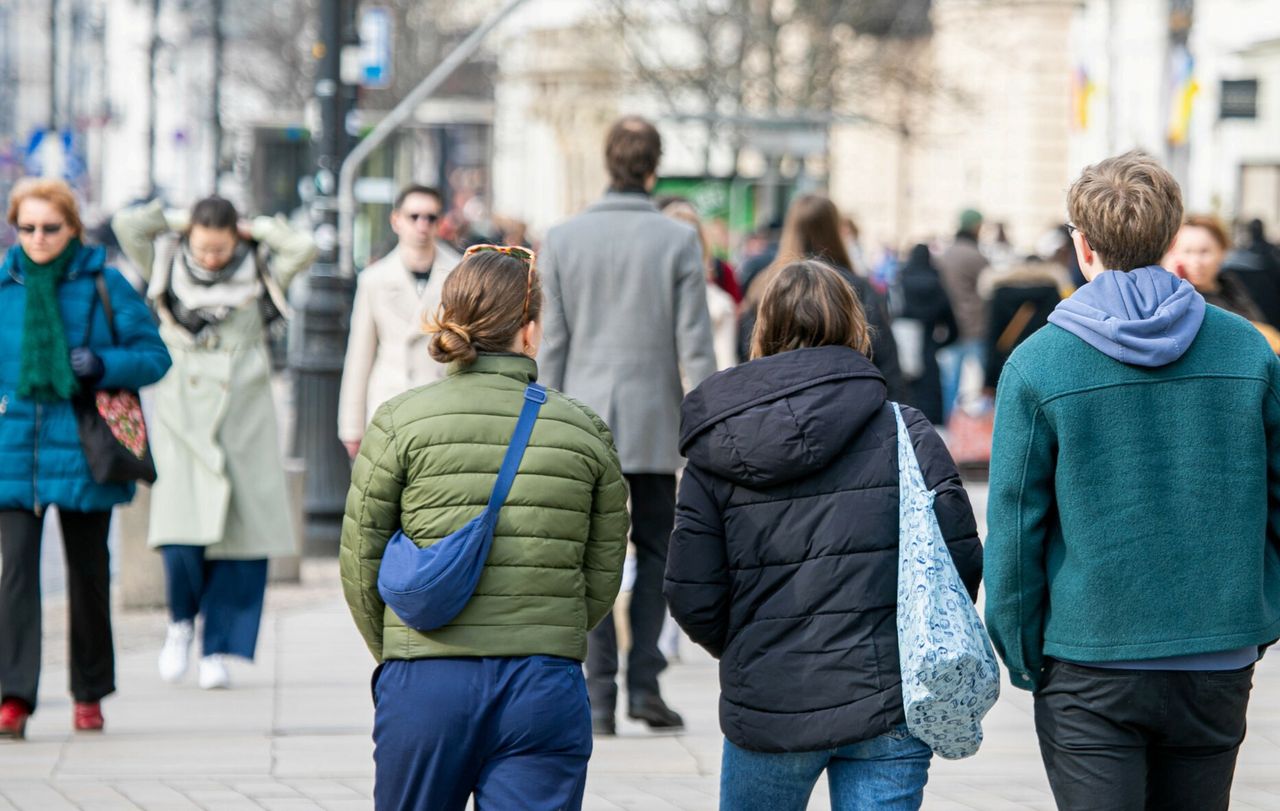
(1143, 317)
(780, 418)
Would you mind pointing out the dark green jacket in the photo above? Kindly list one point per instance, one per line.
(1134, 512)
(428, 463)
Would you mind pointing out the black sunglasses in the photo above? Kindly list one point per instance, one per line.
(47, 230)
(431, 219)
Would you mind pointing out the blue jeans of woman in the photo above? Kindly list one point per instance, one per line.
(885, 773)
(227, 593)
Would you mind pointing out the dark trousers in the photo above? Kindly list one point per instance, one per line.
(93, 664)
(653, 516)
(228, 593)
(1128, 740)
(515, 732)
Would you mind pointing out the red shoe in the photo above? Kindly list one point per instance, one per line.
(13, 718)
(88, 716)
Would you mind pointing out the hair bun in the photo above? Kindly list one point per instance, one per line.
(451, 342)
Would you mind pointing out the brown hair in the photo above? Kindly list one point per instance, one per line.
(55, 192)
(1129, 208)
(1211, 224)
(482, 306)
(808, 303)
(632, 152)
(811, 231)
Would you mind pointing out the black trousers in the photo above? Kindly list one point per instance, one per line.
(93, 663)
(653, 516)
(1139, 740)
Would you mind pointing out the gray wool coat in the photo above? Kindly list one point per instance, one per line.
(624, 315)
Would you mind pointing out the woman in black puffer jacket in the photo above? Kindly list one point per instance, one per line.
(783, 563)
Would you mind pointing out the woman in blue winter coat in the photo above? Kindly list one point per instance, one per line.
(54, 343)
(784, 559)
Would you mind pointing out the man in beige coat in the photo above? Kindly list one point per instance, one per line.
(387, 347)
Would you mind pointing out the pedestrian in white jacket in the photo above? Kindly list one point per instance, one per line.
(387, 347)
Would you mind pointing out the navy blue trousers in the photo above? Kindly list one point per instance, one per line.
(515, 732)
(227, 593)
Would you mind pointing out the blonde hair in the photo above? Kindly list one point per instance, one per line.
(55, 192)
(808, 304)
(483, 306)
(1129, 208)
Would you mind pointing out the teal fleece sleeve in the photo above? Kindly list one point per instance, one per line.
(1019, 511)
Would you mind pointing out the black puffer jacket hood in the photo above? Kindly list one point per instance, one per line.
(780, 418)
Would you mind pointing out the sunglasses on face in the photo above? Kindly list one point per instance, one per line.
(47, 230)
(431, 219)
(525, 255)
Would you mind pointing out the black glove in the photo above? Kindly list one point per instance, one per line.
(86, 365)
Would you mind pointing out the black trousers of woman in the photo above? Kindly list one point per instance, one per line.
(93, 664)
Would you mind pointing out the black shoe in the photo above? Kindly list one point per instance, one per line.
(603, 726)
(651, 709)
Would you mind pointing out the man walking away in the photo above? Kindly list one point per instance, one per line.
(1133, 557)
(626, 314)
(387, 349)
(961, 264)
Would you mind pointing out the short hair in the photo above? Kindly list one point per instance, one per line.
(632, 151)
(1129, 208)
(54, 192)
(1211, 224)
(215, 213)
(417, 188)
(808, 304)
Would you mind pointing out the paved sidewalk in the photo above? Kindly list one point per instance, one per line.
(294, 733)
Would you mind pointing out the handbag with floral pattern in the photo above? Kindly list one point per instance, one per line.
(950, 678)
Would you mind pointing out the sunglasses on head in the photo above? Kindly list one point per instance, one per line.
(431, 219)
(47, 230)
(520, 252)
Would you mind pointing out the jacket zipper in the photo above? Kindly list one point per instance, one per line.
(35, 466)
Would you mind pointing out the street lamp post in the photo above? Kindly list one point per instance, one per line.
(318, 335)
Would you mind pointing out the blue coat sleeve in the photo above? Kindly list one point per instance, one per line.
(697, 580)
(139, 357)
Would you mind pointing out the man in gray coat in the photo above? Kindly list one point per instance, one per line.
(625, 315)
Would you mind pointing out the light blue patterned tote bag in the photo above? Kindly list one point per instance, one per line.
(949, 674)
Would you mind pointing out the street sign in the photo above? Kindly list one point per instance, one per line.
(375, 47)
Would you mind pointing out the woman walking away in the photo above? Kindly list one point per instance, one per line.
(784, 559)
(55, 342)
(220, 507)
(491, 702)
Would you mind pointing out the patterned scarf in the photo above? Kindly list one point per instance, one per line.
(45, 375)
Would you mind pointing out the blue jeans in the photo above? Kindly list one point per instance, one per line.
(885, 773)
(951, 363)
(228, 593)
(515, 732)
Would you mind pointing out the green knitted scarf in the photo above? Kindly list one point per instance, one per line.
(46, 375)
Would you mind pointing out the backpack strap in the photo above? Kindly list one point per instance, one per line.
(534, 396)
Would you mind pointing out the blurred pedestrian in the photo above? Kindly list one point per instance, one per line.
(1132, 569)
(812, 231)
(220, 507)
(1256, 265)
(961, 265)
(626, 323)
(784, 559)
(492, 703)
(924, 324)
(765, 241)
(1197, 254)
(57, 343)
(387, 347)
(1020, 298)
(720, 305)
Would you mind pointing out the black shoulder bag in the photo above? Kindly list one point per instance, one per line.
(113, 433)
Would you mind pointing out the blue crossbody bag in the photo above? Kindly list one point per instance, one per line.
(427, 588)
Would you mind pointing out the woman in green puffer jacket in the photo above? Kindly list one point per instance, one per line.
(493, 703)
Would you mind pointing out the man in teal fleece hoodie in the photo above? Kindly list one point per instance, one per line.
(1133, 556)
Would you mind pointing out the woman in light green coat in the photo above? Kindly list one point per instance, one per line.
(219, 508)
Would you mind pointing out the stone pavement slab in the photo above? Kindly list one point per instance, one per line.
(294, 733)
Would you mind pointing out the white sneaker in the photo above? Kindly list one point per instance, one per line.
(213, 672)
(175, 656)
